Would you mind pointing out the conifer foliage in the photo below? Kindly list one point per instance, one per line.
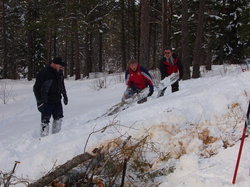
(98, 36)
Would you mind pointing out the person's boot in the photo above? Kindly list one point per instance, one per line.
(142, 100)
(44, 131)
(175, 89)
(56, 125)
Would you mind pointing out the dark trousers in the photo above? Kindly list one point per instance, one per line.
(52, 109)
(175, 86)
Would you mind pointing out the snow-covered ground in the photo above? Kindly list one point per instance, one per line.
(194, 124)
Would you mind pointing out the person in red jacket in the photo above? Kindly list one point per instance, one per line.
(170, 64)
(137, 78)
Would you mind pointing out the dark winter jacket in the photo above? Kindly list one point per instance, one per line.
(167, 68)
(139, 79)
(49, 86)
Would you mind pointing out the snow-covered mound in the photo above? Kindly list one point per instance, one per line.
(193, 125)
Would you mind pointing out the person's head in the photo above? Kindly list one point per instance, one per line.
(58, 64)
(133, 64)
(168, 52)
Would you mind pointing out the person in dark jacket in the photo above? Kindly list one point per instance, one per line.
(49, 89)
(137, 78)
(170, 64)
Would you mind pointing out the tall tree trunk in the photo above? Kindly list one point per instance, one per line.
(100, 64)
(164, 24)
(30, 39)
(184, 40)
(169, 25)
(134, 30)
(49, 44)
(123, 39)
(154, 45)
(77, 44)
(198, 39)
(66, 58)
(77, 57)
(88, 43)
(55, 42)
(72, 60)
(139, 34)
(3, 46)
(208, 60)
(144, 36)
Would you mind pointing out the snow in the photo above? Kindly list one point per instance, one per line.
(194, 124)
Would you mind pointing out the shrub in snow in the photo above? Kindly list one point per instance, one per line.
(6, 92)
(99, 83)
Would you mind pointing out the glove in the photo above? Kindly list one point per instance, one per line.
(41, 107)
(151, 90)
(65, 100)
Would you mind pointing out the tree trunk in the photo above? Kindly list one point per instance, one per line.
(66, 58)
(208, 60)
(164, 25)
(184, 40)
(144, 36)
(48, 44)
(123, 39)
(134, 30)
(72, 60)
(77, 45)
(100, 64)
(88, 43)
(61, 170)
(154, 45)
(3, 46)
(198, 39)
(55, 42)
(30, 39)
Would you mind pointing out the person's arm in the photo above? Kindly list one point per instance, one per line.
(129, 83)
(148, 78)
(40, 89)
(146, 75)
(64, 92)
(127, 78)
(37, 87)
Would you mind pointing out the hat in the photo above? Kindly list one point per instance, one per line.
(58, 60)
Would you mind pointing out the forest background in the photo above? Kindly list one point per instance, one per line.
(101, 36)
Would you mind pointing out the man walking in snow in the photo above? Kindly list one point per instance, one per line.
(49, 89)
(137, 78)
(170, 64)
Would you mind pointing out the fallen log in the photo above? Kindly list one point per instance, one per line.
(61, 170)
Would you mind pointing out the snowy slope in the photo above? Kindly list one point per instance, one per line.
(214, 104)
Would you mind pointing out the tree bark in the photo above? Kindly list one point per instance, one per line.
(184, 40)
(3, 46)
(30, 41)
(66, 69)
(164, 27)
(72, 60)
(144, 36)
(89, 50)
(55, 41)
(100, 64)
(198, 39)
(77, 45)
(61, 170)
(208, 59)
(123, 35)
(134, 30)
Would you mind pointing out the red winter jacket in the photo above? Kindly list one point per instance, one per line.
(166, 68)
(139, 79)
